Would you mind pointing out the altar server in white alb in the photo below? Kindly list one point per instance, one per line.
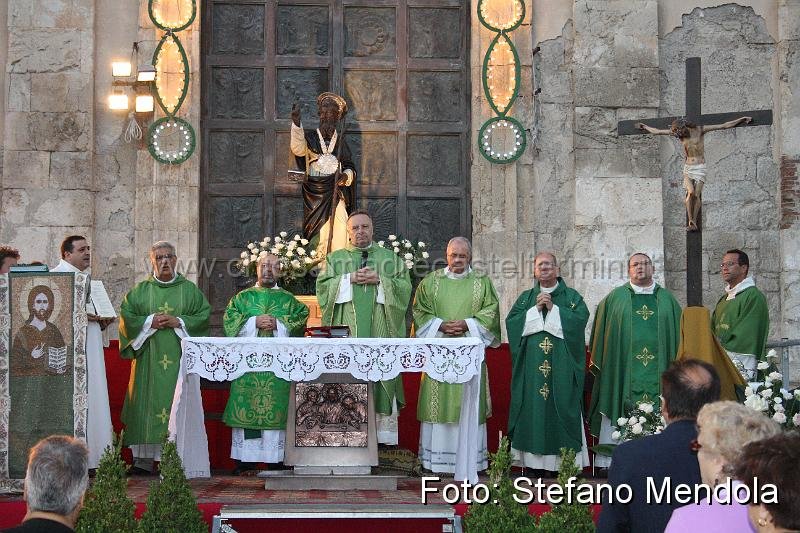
(76, 257)
(451, 302)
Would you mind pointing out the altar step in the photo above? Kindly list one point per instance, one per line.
(434, 518)
(292, 480)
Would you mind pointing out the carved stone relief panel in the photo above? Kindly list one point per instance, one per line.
(234, 221)
(236, 156)
(375, 156)
(302, 30)
(372, 94)
(237, 92)
(434, 32)
(238, 29)
(435, 160)
(384, 215)
(288, 213)
(435, 96)
(300, 85)
(370, 32)
(435, 220)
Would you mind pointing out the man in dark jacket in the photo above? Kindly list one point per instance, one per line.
(667, 458)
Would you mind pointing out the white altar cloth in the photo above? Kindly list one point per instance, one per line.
(305, 359)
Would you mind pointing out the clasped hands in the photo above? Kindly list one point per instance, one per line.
(454, 327)
(364, 276)
(164, 321)
(266, 322)
(544, 300)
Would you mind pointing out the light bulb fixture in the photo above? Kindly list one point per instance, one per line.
(121, 69)
(145, 103)
(118, 101)
(146, 73)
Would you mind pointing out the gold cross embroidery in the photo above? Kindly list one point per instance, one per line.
(166, 309)
(165, 362)
(645, 357)
(545, 368)
(163, 415)
(545, 391)
(645, 312)
(546, 346)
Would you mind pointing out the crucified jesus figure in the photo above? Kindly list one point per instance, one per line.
(694, 169)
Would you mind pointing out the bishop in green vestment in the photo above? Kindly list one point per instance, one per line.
(453, 302)
(635, 337)
(741, 317)
(368, 288)
(154, 316)
(546, 332)
(258, 401)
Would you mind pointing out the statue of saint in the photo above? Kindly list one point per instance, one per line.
(329, 184)
(694, 169)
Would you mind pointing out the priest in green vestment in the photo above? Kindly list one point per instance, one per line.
(368, 288)
(154, 316)
(454, 301)
(258, 401)
(635, 337)
(546, 336)
(741, 317)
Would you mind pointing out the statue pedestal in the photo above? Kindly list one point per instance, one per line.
(331, 438)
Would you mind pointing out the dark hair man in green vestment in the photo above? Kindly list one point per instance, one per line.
(635, 337)
(368, 288)
(741, 317)
(155, 315)
(546, 335)
(454, 301)
(258, 401)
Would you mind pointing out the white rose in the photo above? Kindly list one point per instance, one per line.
(748, 391)
(277, 239)
(380, 243)
(245, 262)
(289, 252)
(251, 246)
(632, 421)
(295, 263)
(786, 394)
(425, 255)
(420, 244)
(243, 255)
(313, 253)
(766, 393)
(616, 435)
(756, 403)
(253, 258)
(407, 244)
(778, 408)
(297, 237)
(409, 264)
(392, 237)
(646, 407)
(264, 243)
(772, 353)
(780, 418)
(775, 376)
(301, 251)
(777, 399)
(408, 256)
(304, 241)
(762, 365)
(796, 420)
(262, 254)
(768, 383)
(396, 250)
(307, 260)
(621, 421)
(642, 420)
(637, 429)
(267, 239)
(283, 234)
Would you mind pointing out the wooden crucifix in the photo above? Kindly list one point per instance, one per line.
(690, 130)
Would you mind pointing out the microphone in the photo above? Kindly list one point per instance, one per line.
(364, 257)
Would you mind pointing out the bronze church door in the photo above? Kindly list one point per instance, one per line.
(402, 67)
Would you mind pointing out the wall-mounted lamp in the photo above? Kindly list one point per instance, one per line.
(140, 82)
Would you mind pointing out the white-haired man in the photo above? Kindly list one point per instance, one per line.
(154, 316)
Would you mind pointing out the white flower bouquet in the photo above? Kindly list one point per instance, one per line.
(413, 255)
(641, 420)
(769, 396)
(296, 259)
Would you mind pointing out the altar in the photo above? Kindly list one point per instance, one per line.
(306, 359)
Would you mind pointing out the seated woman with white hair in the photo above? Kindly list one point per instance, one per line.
(723, 430)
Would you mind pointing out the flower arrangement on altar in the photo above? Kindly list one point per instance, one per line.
(296, 260)
(414, 255)
(641, 420)
(769, 396)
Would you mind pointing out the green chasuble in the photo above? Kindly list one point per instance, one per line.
(438, 296)
(634, 339)
(259, 400)
(547, 375)
(365, 316)
(742, 324)
(154, 370)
